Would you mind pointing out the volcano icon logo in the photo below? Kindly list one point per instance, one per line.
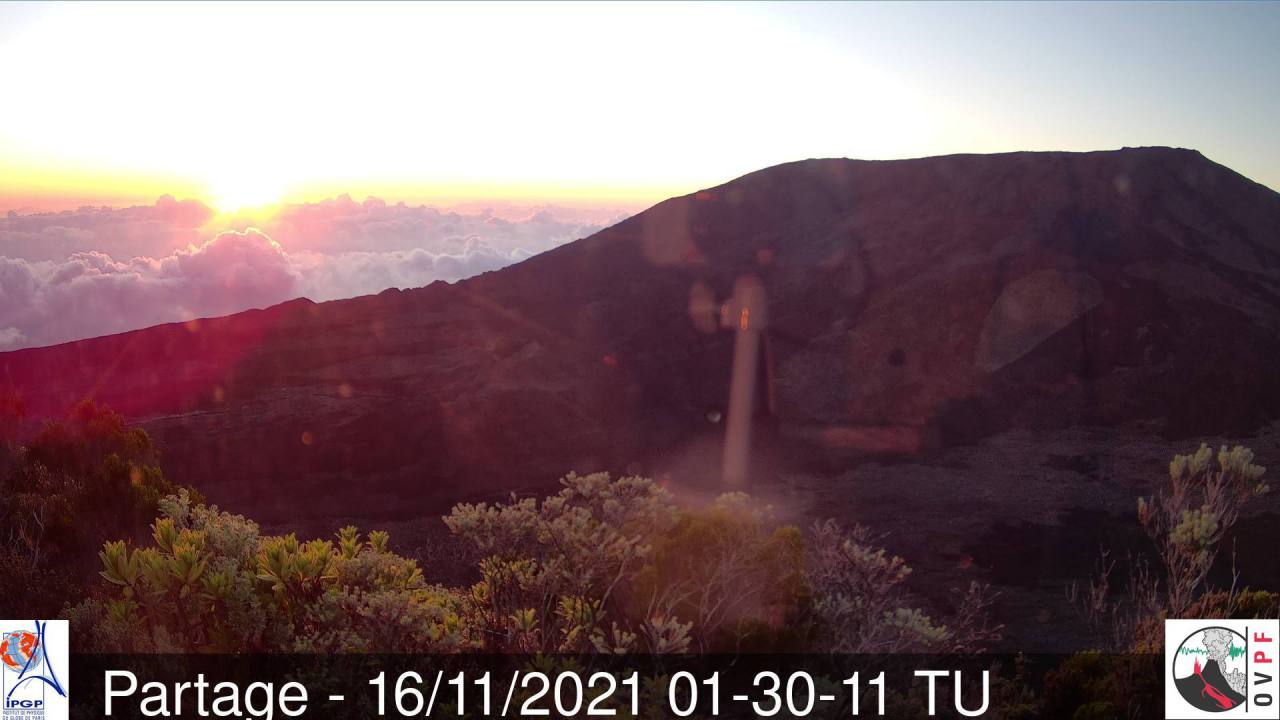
(1221, 669)
(1209, 669)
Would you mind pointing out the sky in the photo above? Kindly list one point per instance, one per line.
(244, 104)
(161, 162)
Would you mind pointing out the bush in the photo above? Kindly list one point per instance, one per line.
(602, 566)
(616, 566)
(731, 570)
(71, 486)
(1187, 520)
(861, 603)
(212, 583)
(1093, 685)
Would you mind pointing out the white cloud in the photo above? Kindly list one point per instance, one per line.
(150, 230)
(65, 276)
(90, 293)
(330, 276)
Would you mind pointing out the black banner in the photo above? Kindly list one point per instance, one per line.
(1086, 685)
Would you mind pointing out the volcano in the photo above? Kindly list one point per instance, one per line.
(984, 354)
(1207, 690)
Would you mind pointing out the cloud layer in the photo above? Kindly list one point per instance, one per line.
(65, 276)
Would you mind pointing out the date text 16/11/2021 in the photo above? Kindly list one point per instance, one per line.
(538, 694)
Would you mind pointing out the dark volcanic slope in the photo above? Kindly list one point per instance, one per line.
(914, 305)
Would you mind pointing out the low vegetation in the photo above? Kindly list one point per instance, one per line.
(72, 485)
(1188, 520)
(605, 565)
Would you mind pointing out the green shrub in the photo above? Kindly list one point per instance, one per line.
(68, 488)
(1187, 521)
(617, 566)
(210, 582)
(861, 604)
(608, 566)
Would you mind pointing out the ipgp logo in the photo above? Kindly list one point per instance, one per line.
(32, 680)
(1221, 669)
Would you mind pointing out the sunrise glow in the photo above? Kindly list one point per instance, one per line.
(240, 192)
(617, 103)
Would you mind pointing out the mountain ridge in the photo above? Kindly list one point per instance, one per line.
(1016, 153)
(914, 305)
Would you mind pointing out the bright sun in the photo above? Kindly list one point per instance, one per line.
(242, 192)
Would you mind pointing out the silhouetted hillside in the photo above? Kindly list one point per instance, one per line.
(914, 306)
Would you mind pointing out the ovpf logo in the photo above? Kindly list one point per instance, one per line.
(1221, 669)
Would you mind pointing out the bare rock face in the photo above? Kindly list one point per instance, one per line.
(914, 306)
(1030, 310)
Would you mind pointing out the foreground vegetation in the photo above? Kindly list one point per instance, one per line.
(605, 565)
(1187, 520)
(72, 485)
